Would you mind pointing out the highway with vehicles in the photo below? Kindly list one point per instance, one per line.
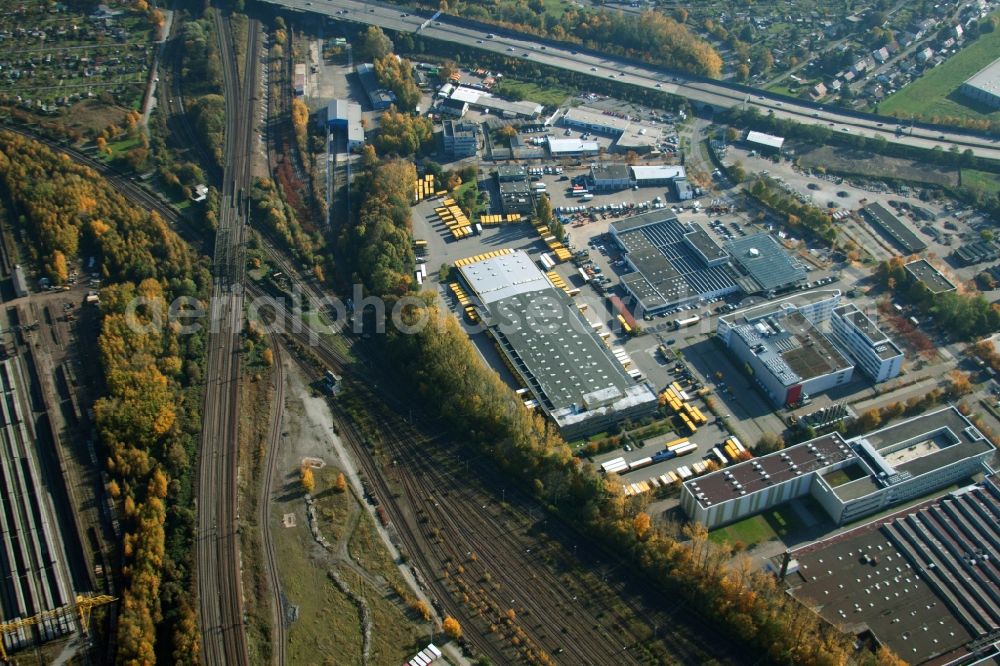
(718, 94)
(220, 594)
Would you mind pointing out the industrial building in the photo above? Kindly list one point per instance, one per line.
(765, 142)
(572, 148)
(984, 85)
(974, 252)
(570, 372)
(764, 265)
(595, 121)
(682, 189)
(460, 139)
(784, 351)
(507, 173)
(886, 221)
(657, 176)
(453, 107)
(378, 97)
(345, 116)
(478, 99)
(922, 270)
(676, 263)
(865, 343)
(922, 581)
(851, 478)
(515, 190)
(36, 573)
(672, 262)
(611, 177)
(807, 343)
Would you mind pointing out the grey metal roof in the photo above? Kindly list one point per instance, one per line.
(766, 261)
(376, 94)
(704, 243)
(895, 228)
(932, 278)
(671, 271)
(987, 79)
(501, 277)
(542, 332)
(611, 172)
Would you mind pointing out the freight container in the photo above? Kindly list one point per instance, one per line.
(640, 463)
(685, 449)
(611, 464)
(676, 442)
(687, 321)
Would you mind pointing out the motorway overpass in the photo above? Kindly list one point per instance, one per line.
(718, 94)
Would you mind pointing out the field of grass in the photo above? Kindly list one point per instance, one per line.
(981, 180)
(333, 507)
(328, 628)
(749, 531)
(328, 622)
(936, 92)
(776, 523)
(534, 92)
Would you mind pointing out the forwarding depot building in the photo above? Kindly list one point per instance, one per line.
(850, 478)
(573, 376)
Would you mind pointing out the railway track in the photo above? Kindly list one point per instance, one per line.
(219, 568)
(264, 509)
(123, 183)
(577, 620)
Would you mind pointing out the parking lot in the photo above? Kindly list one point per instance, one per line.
(954, 224)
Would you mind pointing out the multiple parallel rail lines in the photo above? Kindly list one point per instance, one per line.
(220, 588)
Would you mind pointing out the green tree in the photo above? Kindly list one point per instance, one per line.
(374, 45)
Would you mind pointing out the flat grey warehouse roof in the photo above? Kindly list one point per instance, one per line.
(932, 278)
(765, 261)
(668, 270)
(543, 334)
(987, 79)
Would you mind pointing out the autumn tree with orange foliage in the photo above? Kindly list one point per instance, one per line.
(307, 479)
(437, 362)
(452, 628)
(300, 125)
(148, 417)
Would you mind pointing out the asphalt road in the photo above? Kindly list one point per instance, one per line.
(715, 93)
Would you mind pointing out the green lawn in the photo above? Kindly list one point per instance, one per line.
(981, 180)
(754, 529)
(480, 207)
(530, 91)
(935, 93)
(776, 523)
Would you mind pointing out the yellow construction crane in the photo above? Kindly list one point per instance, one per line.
(83, 605)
